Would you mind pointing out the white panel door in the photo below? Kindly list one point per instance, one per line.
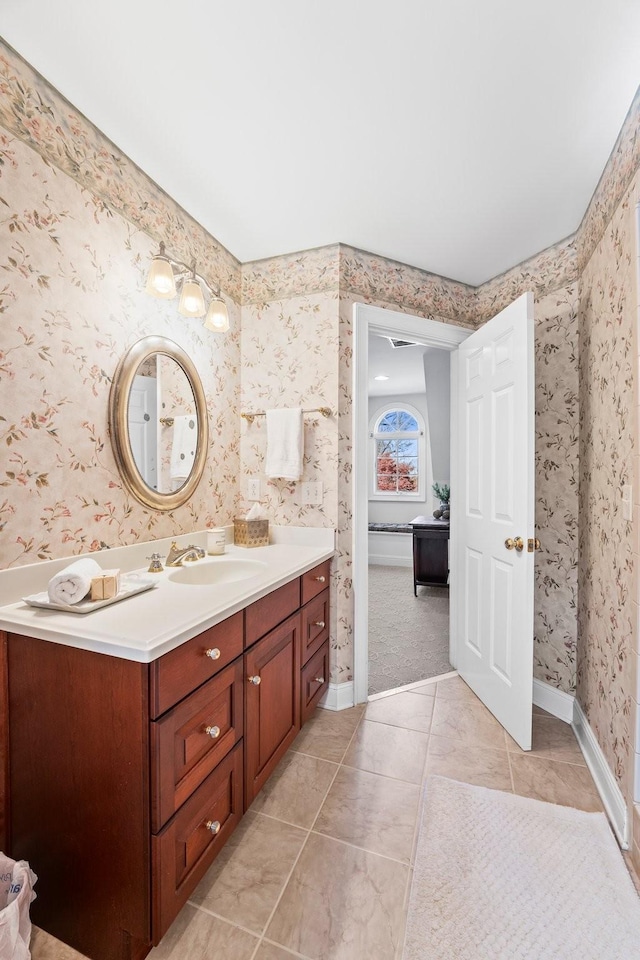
(494, 506)
(143, 427)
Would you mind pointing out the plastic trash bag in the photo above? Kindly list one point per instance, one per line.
(16, 894)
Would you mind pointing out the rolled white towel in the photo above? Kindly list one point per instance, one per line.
(74, 582)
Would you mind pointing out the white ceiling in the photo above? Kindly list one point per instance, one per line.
(403, 365)
(460, 137)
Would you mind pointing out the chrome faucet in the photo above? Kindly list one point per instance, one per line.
(177, 554)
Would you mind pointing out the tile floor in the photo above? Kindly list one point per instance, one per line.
(320, 866)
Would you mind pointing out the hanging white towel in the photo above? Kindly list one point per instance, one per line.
(285, 443)
(183, 448)
(74, 582)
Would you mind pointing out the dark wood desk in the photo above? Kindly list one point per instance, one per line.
(430, 552)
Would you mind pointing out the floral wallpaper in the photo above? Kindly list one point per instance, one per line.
(607, 579)
(72, 301)
(368, 278)
(547, 271)
(289, 359)
(556, 452)
(292, 275)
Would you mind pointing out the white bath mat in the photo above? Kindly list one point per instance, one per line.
(501, 877)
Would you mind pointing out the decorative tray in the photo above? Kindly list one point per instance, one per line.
(130, 584)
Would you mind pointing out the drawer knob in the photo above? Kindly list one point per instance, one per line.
(320, 579)
(213, 653)
(213, 732)
(213, 826)
(318, 623)
(254, 680)
(319, 679)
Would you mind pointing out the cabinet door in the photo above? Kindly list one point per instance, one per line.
(272, 702)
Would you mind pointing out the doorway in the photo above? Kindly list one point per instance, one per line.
(408, 489)
(374, 321)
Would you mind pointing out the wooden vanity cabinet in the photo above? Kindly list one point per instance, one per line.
(126, 779)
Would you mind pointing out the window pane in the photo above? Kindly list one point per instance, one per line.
(386, 448)
(407, 448)
(406, 421)
(387, 482)
(407, 465)
(408, 484)
(389, 423)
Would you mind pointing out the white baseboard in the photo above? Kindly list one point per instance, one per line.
(385, 561)
(556, 702)
(610, 792)
(339, 696)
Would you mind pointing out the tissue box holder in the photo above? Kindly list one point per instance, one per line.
(251, 533)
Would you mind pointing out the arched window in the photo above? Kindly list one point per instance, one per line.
(398, 444)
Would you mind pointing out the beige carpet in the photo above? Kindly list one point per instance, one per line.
(501, 877)
(408, 636)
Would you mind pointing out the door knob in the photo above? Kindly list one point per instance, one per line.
(515, 543)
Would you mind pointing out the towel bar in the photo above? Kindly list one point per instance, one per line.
(250, 417)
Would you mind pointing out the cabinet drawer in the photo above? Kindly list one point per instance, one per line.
(315, 581)
(315, 680)
(180, 671)
(189, 740)
(315, 624)
(267, 613)
(186, 848)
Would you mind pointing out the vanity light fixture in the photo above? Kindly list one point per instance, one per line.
(217, 318)
(166, 273)
(161, 281)
(191, 299)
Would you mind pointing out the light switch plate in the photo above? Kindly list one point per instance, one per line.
(312, 493)
(253, 488)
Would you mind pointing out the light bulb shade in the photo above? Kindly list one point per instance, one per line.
(191, 300)
(217, 318)
(161, 281)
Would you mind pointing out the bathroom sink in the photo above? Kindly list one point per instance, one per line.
(222, 570)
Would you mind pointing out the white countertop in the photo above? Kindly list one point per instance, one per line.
(145, 626)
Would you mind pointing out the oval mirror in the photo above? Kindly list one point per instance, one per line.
(158, 423)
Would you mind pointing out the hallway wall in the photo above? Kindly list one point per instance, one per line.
(607, 608)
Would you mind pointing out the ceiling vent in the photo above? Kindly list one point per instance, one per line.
(401, 343)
